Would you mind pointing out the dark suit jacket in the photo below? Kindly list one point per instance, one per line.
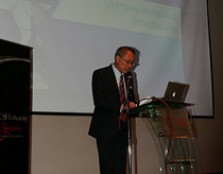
(104, 124)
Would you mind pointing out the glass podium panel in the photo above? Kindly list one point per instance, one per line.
(172, 133)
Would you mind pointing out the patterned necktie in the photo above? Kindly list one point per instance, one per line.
(122, 99)
(122, 90)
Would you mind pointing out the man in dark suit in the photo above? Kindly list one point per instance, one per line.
(107, 125)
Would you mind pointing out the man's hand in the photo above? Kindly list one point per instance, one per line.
(131, 105)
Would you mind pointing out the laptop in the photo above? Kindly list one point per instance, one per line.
(176, 92)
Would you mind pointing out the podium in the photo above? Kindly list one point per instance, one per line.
(172, 134)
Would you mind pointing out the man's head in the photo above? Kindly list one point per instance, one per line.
(124, 58)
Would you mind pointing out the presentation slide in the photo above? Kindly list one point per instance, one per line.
(72, 38)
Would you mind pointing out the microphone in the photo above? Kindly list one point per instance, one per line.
(129, 81)
(130, 87)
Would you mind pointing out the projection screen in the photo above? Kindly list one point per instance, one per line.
(72, 38)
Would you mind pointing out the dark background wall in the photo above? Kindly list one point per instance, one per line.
(209, 131)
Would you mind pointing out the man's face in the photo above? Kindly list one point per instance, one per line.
(124, 63)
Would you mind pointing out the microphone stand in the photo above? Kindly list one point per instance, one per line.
(129, 149)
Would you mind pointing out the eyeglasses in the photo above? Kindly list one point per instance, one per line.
(128, 61)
